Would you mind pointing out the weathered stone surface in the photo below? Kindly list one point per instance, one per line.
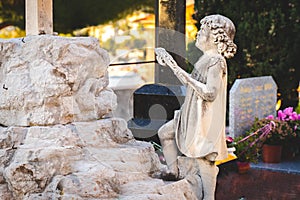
(5, 194)
(87, 159)
(82, 160)
(159, 190)
(47, 80)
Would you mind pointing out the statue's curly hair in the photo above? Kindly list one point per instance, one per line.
(223, 31)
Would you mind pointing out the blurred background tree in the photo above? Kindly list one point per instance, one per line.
(268, 39)
(70, 15)
(12, 13)
(75, 14)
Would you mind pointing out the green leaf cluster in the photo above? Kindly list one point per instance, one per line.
(246, 151)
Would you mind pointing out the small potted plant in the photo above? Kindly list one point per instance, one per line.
(288, 127)
(247, 146)
(246, 151)
(272, 142)
(283, 134)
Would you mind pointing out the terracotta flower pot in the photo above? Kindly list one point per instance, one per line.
(272, 153)
(243, 167)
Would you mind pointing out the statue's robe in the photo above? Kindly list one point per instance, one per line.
(200, 123)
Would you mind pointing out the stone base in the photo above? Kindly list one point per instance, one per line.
(259, 184)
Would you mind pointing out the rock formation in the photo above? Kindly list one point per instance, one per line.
(55, 142)
(53, 80)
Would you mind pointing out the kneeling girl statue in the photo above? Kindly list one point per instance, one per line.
(197, 132)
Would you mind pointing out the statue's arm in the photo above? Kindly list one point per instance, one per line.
(209, 91)
(182, 75)
(165, 59)
(206, 91)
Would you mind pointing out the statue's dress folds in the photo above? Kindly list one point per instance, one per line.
(200, 124)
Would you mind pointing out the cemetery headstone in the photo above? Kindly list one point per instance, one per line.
(250, 98)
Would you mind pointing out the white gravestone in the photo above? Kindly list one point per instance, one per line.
(250, 98)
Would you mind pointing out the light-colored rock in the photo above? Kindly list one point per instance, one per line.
(157, 189)
(98, 156)
(5, 194)
(48, 80)
(54, 144)
(99, 182)
(183, 189)
(82, 160)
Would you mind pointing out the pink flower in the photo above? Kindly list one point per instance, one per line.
(288, 111)
(229, 139)
(293, 116)
(270, 117)
(281, 115)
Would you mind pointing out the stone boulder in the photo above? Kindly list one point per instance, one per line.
(81, 160)
(47, 80)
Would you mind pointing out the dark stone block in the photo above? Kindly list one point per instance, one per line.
(153, 106)
(155, 101)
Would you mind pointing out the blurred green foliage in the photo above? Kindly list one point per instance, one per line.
(246, 151)
(12, 13)
(298, 108)
(70, 15)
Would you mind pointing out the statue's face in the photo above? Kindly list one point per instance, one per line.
(202, 37)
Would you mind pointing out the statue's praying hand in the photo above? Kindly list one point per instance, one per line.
(165, 59)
